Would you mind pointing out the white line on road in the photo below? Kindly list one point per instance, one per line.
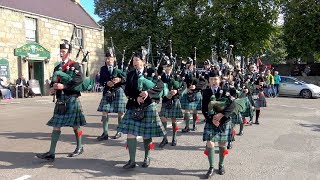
(23, 177)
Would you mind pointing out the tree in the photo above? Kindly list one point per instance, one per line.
(301, 29)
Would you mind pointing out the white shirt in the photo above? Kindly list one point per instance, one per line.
(110, 68)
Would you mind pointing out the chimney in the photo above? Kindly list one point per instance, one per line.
(76, 1)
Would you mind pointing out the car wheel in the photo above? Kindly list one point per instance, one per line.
(306, 94)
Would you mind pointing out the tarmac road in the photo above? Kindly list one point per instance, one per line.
(286, 145)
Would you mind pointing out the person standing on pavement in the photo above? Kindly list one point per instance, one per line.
(277, 80)
(68, 110)
(270, 83)
(217, 127)
(259, 97)
(113, 97)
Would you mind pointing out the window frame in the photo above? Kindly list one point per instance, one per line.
(34, 28)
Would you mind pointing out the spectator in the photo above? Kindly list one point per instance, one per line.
(277, 80)
(296, 71)
(4, 85)
(307, 70)
(22, 85)
(270, 83)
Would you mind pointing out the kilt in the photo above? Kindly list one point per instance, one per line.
(236, 118)
(174, 112)
(73, 115)
(248, 112)
(149, 126)
(212, 133)
(118, 105)
(187, 105)
(260, 102)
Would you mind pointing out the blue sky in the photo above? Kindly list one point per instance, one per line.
(89, 7)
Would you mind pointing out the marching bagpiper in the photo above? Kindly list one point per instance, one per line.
(171, 107)
(217, 127)
(67, 111)
(113, 97)
(191, 98)
(141, 117)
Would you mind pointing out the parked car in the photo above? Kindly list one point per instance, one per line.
(290, 86)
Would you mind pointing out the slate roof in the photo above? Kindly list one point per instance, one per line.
(65, 10)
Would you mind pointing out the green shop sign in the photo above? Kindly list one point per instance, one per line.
(4, 68)
(32, 51)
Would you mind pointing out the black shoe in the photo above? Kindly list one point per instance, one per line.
(47, 156)
(257, 123)
(240, 133)
(103, 137)
(174, 142)
(185, 130)
(229, 146)
(117, 136)
(210, 173)
(76, 152)
(129, 165)
(146, 163)
(194, 128)
(221, 170)
(163, 142)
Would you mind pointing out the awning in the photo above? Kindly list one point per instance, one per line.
(32, 51)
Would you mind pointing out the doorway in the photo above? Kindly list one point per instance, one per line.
(36, 72)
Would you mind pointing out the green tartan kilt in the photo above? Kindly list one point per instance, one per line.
(73, 115)
(236, 118)
(260, 102)
(174, 112)
(118, 105)
(248, 112)
(149, 126)
(212, 133)
(187, 105)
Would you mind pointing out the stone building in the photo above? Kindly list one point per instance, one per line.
(31, 31)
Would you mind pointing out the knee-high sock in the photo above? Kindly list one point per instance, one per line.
(187, 119)
(78, 134)
(54, 139)
(221, 155)
(105, 124)
(241, 127)
(146, 143)
(257, 115)
(174, 129)
(195, 118)
(132, 146)
(165, 127)
(210, 156)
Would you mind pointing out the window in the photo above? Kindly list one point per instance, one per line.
(78, 38)
(31, 29)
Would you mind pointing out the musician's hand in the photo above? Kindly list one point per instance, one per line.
(144, 94)
(116, 80)
(216, 123)
(58, 86)
(173, 92)
(169, 96)
(217, 117)
(52, 91)
(140, 100)
(110, 84)
(193, 87)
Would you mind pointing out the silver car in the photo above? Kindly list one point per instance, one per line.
(290, 86)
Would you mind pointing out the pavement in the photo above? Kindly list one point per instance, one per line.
(286, 145)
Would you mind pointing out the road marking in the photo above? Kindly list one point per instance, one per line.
(23, 177)
(298, 107)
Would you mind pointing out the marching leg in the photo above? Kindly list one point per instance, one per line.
(195, 118)
(105, 123)
(175, 129)
(187, 121)
(146, 161)
(165, 137)
(210, 153)
(79, 148)
(132, 146)
(257, 116)
(50, 156)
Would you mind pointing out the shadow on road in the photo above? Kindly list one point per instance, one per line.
(88, 168)
(315, 127)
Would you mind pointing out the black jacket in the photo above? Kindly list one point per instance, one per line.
(76, 80)
(132, 92)
(206, 95)
(105, 76)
